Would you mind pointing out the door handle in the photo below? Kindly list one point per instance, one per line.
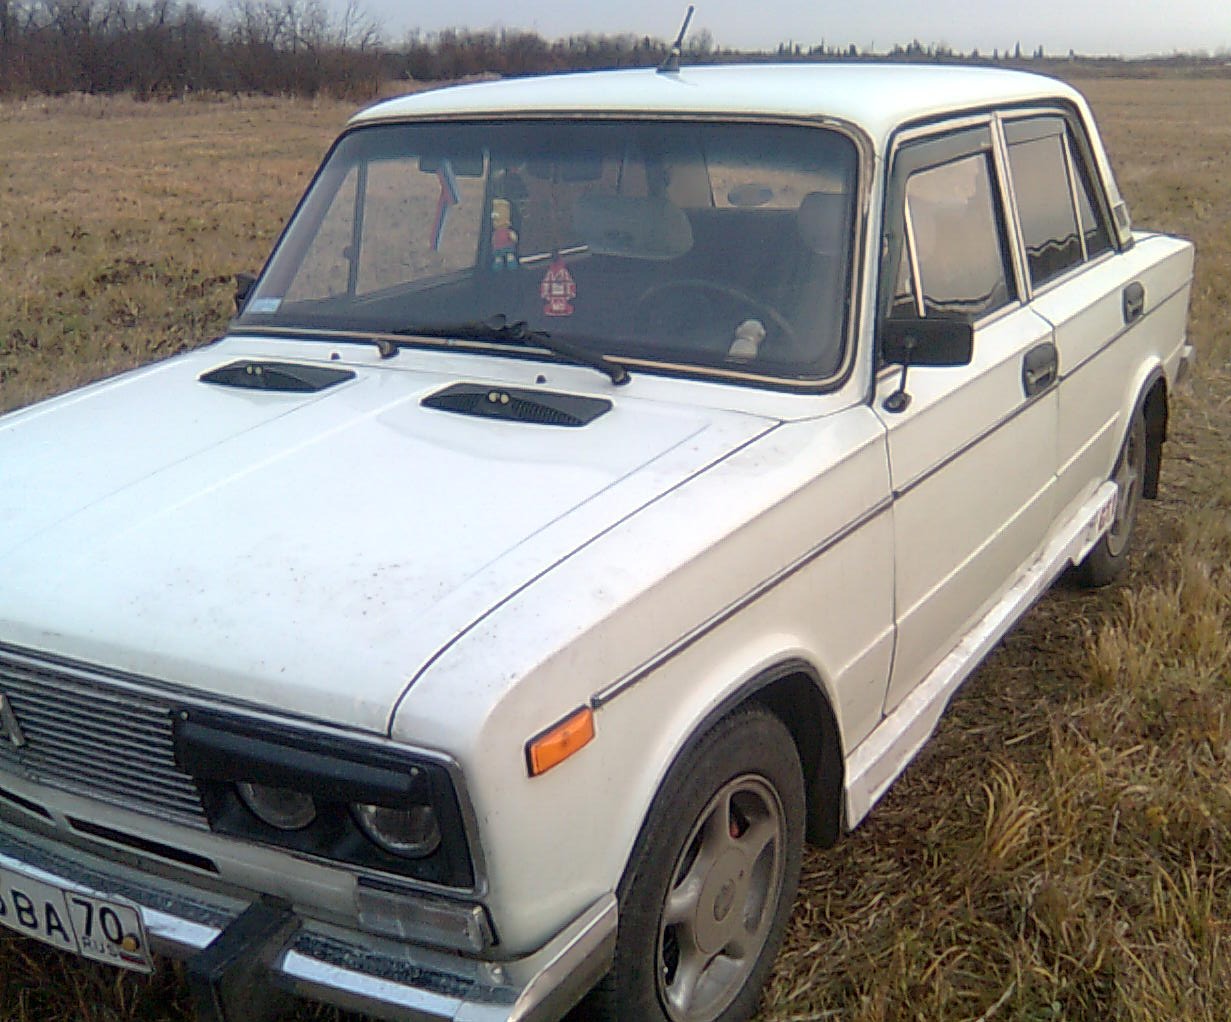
(1040, 367)
(1134, 301)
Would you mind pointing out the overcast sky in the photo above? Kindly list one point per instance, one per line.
(1088, 26)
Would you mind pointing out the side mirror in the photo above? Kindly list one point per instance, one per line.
(927, 342)
(923, 342)
(244, 283)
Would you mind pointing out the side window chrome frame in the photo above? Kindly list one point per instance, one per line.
(912, 258)
(1017, 237)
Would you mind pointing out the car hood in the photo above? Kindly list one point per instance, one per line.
(306, 552)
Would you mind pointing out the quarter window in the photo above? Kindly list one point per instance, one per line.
(1093, 228)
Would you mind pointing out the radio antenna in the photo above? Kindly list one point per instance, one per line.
(671, 66)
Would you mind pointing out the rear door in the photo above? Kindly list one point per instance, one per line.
(1100, 301)
(972, 454)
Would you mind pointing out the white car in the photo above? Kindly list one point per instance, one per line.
(603, 489)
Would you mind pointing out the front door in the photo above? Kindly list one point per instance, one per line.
(972, 453)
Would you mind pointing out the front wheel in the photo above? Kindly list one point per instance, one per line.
(708, 890)
(1109, 556)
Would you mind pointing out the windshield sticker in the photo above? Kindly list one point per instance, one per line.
(264, 306)
(449, 196)
(558, 289)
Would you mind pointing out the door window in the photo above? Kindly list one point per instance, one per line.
(1060, 225)
(1045, 204)
(953, 262)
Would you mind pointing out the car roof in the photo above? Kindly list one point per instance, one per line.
(877, 97)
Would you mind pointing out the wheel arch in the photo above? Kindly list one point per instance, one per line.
(794, 692)
(1156, 407)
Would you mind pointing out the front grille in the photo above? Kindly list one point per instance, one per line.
(92, 737)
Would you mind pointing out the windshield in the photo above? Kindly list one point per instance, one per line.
(662, 244)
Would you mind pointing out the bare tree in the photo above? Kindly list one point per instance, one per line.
(6, 55)
(356, 28)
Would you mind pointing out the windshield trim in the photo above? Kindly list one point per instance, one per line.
(857, 271)
(534, 353)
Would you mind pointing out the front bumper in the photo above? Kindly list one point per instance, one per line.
(379, 977)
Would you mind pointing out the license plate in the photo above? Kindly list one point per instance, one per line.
(103, 929)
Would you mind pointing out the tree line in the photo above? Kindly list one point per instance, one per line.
(169, 48)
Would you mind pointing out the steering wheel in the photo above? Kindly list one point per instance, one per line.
(758, 305)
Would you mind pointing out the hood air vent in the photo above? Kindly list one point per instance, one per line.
(514, 405)
(280, 376)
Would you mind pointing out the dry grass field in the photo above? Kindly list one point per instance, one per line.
(1061, 850)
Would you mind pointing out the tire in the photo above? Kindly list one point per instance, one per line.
(708, 890)
(1109, 556)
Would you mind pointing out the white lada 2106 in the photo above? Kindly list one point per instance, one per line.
(601, 491)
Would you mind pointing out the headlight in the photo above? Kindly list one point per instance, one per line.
(371, 806)
(279, 807)
(412, 832)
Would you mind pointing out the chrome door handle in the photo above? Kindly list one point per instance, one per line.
(1134, 301)
(1040, 367)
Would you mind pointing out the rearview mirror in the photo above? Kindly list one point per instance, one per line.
(574, 169)
(927, 342)
(460, 164)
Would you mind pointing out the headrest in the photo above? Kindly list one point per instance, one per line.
(822, 222)
(638, 228)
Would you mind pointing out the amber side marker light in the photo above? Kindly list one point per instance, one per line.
(560, 741)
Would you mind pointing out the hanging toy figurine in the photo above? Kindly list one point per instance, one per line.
(504, 238)
(557, 289)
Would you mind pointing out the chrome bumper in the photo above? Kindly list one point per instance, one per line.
(373, 975)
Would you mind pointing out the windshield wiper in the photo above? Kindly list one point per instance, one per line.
(500, 329)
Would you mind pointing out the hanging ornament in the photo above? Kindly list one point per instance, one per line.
(558, 289)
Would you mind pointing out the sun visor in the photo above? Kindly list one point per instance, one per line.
(636, 228)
